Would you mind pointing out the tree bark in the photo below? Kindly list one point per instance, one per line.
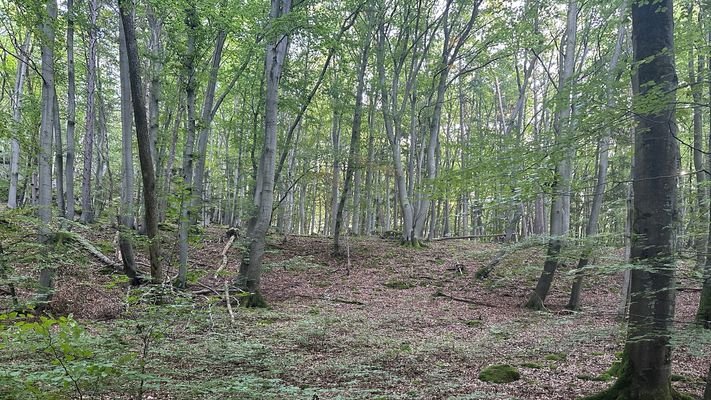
(44, 206)
(560, 209)
(143, 138)
(206, 118)
(71, 114)
(186, 211)
(354, 150)
(646, 361)
(126, 215)
(251, 267)
(58, 157)
(16, 101)
(87, 215)
(603, 155)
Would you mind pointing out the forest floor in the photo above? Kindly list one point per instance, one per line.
(370, 326)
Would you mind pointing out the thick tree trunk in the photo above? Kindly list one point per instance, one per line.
(126, 215)
(646, 361)
(251, 267)
(16, 101)
(44, 205)
(71, 114)
(87, 213)
(560, 209)
(143, 137)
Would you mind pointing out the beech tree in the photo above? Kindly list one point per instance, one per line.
(250, 270)
(646, 361)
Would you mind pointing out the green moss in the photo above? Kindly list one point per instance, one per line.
(532, 365)
(502, 373)
(399, 285)
(556, 357)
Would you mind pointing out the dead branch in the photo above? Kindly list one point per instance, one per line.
(468, 237)
(224, 255)
(91, 249)
(462, 300)
(334, 300)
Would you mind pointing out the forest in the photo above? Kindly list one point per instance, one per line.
(355, 199)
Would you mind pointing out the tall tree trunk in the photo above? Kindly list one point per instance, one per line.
(335, 166)
(143, 137)
(186, 211)
(698, 151)
(208, 113)
(71, 114)
(87, 214)
(703, 315)
(603, 154)
(251, 267)
(354, 150)
(560, 209)
(450, 52)
(646, 361)
(58, 157)
(155, 47)
(126, 215)
(16, 100)
(44, 206)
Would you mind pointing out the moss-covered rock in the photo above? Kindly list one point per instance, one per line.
(502, 373)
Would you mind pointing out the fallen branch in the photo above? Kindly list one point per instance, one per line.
(468, 237)
(332, 300)
(224, 254)
(208, 289)
(462, 300)
(91, 249)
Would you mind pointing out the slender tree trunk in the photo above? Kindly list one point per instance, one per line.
(58, 157)
(44, 206)
(155, 47)
(560, 209)
(701, 191)
(17, 119)
(335, 167)
(646, 361)
(251, 267)
(206, 118)
(703, 315)
(143, 137)
(87, 214)
(186, 210)
(354, 150)
(126, 215)
(603, 154)
(71, 114)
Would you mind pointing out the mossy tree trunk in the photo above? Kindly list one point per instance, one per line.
(646, 366)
